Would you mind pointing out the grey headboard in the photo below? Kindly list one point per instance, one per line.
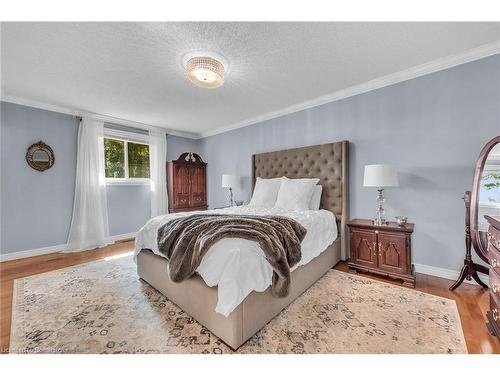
(328, 162)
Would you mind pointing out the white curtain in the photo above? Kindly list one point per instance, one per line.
(157, 170)
(89, 224)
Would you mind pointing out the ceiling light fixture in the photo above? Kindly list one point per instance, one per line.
(205, 71)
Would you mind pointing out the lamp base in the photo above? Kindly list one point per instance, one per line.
(231, 202)
(380, 218)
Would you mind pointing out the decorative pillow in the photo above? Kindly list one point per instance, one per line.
(295, 194)
(265, 192)
(316, 198)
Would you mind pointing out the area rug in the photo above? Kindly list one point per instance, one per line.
(103, 307)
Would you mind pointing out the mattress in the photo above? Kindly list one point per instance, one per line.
(238, 266)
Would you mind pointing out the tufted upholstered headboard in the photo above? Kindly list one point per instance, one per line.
(328, 162)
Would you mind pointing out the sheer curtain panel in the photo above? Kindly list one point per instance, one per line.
(89, 224)
(158, 174)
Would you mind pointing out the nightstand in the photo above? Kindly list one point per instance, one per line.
(382, 249)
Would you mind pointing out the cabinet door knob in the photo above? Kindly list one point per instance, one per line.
(495, 288)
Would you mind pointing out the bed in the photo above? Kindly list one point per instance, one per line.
(237, 321)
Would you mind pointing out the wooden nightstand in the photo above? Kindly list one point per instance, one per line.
(382, 249)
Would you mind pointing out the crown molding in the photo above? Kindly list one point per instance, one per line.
(391, 79)
(76, 112)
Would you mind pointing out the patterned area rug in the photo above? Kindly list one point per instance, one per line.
(103, 307)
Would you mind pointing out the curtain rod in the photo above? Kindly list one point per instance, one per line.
(117, 121)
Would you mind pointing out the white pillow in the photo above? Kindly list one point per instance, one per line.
(265, 192)
(295, 194)
(316, 198)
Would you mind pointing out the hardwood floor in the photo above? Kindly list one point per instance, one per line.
(15, 269)
(472, 301)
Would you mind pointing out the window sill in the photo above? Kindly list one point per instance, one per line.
(127, 182)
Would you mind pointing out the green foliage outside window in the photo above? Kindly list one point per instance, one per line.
(138, 160)
(114, 159)
(491, 182)
(494, 180)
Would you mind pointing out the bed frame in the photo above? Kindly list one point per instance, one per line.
(328, 162)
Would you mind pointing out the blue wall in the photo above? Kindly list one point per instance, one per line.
(178, 145)
(36, 207)
(432, 128)
(128, 207)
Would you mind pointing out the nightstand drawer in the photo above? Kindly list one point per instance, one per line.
(495, 285)
(495, 309)
(494, 238)
(494, 258)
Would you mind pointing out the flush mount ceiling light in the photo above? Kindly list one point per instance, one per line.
(205, 71)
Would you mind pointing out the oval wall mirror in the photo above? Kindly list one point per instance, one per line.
(485, 199)
(40, 156)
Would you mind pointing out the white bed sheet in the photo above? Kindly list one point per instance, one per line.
(238, 266)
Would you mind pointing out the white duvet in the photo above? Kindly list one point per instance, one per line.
(238, 266)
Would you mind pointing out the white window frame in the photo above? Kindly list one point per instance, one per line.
(125, 137)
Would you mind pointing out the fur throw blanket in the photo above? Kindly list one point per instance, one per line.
(186, 240)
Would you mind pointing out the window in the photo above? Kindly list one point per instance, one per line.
(126, 157)
(138, 160)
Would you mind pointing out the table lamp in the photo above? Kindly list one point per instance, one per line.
(230, 181)
(380, 176)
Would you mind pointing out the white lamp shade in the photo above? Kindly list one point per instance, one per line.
(380, 175)
(230, 181)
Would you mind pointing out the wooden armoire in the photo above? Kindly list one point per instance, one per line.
(187, 183)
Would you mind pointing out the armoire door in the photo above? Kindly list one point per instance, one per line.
(181, 186)
(198, 186)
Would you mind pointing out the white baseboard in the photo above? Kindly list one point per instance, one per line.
(32, 252)
(446, 273)
(125, 236)
(54, 249)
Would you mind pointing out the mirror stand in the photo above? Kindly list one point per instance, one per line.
(470, 269)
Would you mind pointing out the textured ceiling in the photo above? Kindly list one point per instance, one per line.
(134, 70)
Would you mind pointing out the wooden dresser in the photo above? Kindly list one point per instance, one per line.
(493, 315)
(382, 249)
(187, 183)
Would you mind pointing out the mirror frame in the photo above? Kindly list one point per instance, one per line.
(39, 146)
(479, 243)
